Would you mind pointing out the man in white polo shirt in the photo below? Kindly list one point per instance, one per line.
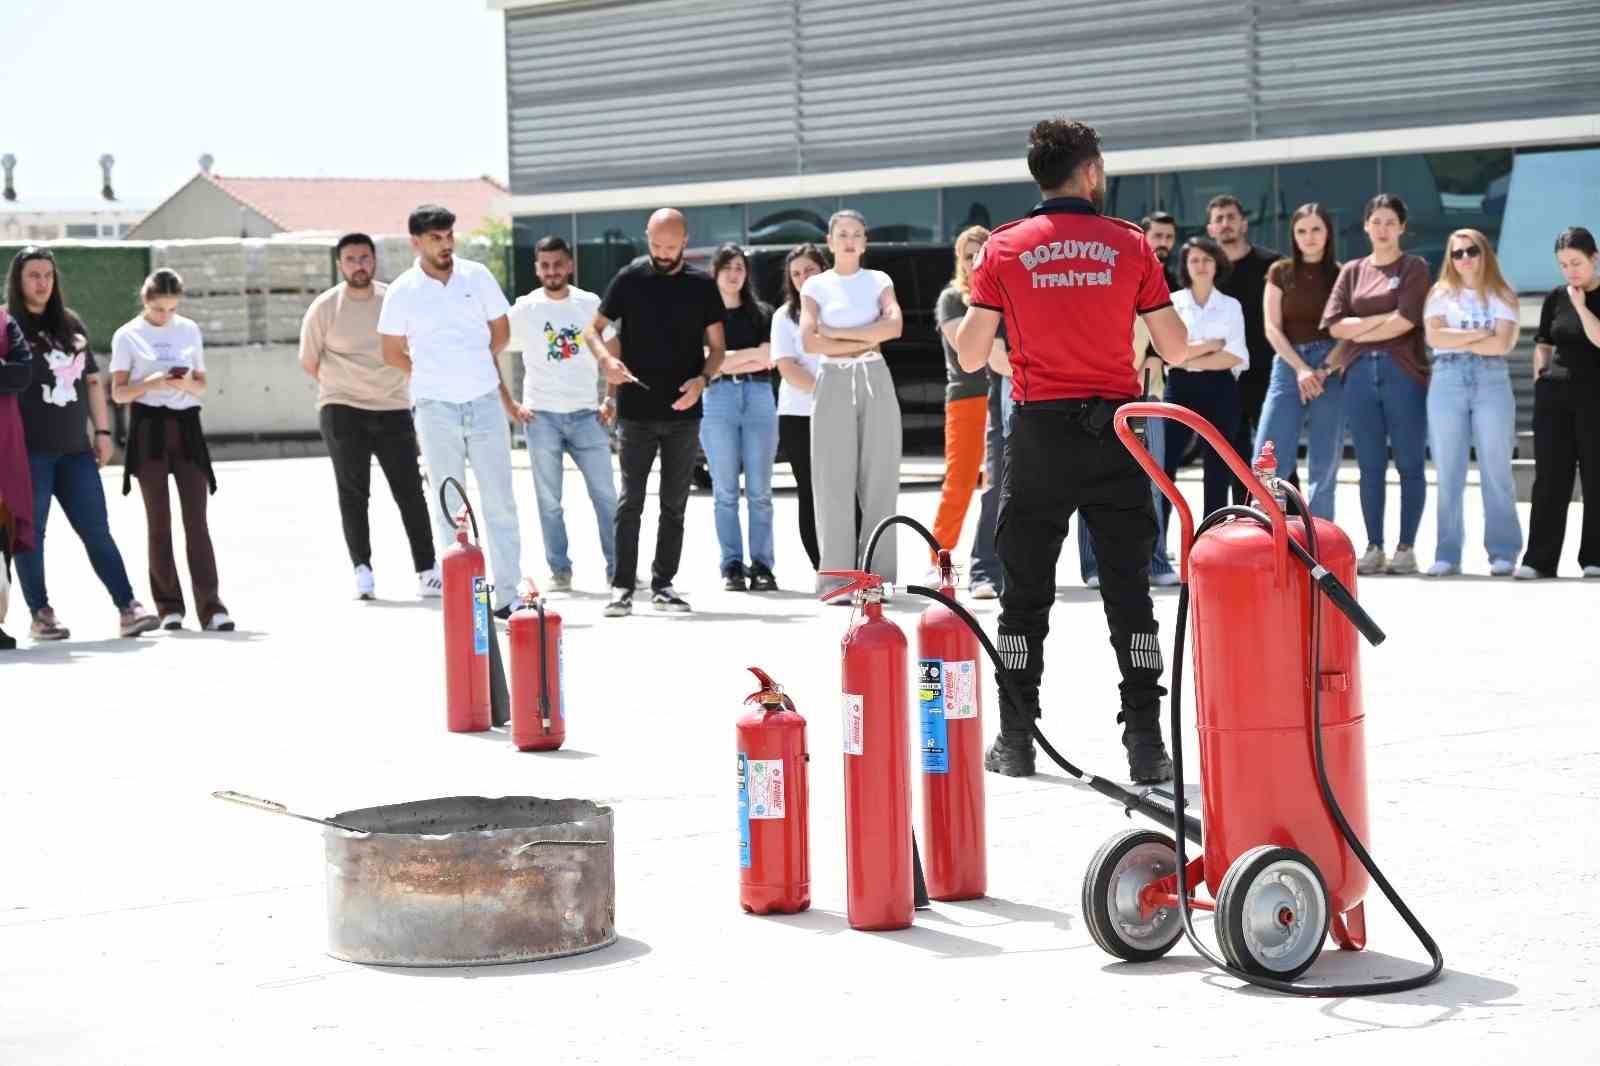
(444, 321)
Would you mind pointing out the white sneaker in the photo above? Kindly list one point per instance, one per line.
(1092, 582)
(1526, 573)
(1441, 569)
(172, 621)
(219, 623)
(1404, 561)
(1591, 571)
(1501, 567)
(430, 585)
(1373, 562)
(365, 586)
(1165, 580)
(984, 590)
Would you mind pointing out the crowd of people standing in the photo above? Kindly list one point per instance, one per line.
(673, 360)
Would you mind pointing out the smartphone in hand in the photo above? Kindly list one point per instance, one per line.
(178, 372)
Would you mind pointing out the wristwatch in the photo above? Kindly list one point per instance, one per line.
(705, 380)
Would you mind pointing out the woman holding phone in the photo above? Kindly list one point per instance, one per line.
(158, 368)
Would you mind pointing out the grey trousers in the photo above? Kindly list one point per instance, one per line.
(855, 458)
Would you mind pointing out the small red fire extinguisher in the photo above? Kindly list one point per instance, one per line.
(538, 710)
(949, 696)
(877, 770)
(774, 804)
(466, 629)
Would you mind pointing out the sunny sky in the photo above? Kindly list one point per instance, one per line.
(339, 88)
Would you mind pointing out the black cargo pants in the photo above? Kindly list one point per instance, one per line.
(1063, 457)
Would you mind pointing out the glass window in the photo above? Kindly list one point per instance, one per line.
(526, 231)
(985, 205)
(1342, 187)
(901, 217)
(1547, 191)
(1186, 194)
(791, 221)
(607, 242)
(714, 225)
(1447, 191)
(1131, 196)
(80, 230)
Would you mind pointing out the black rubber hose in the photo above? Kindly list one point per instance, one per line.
(1331, 802)
(1144, 802)
(544, 668)
(882, 527)
(462, 492)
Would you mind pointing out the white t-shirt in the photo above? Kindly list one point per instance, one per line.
(561, 374)
(446, 325)
(1466, 309)
(786, 345)
(846, 301)
(143, 349)
(1221, 316)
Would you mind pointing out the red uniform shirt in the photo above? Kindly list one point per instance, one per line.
(1069, 281)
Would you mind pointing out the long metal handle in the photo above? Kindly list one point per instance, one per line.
(563, 843)
(277, 808)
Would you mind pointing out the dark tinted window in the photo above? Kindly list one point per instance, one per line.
(986, 205)
(791, 221)
(907, 216)
(526, 231)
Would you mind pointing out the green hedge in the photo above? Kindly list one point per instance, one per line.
(100, 281)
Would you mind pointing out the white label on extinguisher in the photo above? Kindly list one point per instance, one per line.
(852, 723)
(764, 779)
(960, 689)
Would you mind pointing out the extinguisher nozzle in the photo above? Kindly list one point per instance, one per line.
(1348, 606)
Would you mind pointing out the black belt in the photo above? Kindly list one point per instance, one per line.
(1093, 414)
(759, 375)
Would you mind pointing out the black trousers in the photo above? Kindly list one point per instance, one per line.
(354, 436)
(1214, 396)
(678, 442)
(1055, 466)
(794, 434)
(1566, 441)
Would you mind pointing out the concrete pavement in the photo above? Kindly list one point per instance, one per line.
(143, 922)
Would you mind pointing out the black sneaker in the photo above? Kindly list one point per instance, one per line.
(1147, 757)
(761, 579)
(665, 599)
(1011, 755)
(733, 577)
(621, 605)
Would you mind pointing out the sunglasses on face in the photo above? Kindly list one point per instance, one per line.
(1469, 252)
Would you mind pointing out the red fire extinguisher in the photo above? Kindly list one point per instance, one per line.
(949, 695)
(774, 804)
(466, 627)
(877, 771)
(538, 706)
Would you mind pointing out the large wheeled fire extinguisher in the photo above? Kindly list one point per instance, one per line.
(774, 804)
(877, 771)
(467, 628)
(538, 675)
(950, 698)
(1283, 766)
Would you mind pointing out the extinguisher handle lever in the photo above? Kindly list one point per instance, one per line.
(1349, 606)
(769, 688)
(856, 581)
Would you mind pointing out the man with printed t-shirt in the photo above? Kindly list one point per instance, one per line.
(1068, 283)
(364, 409)
(561, 388)
(672, 346)
(443, 322)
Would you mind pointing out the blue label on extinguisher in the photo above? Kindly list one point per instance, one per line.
(744, 811)
(930, 698)
(480, 616)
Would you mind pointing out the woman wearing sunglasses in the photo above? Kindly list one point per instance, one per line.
(1471, 323)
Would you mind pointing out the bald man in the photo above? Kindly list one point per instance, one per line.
(672, 346)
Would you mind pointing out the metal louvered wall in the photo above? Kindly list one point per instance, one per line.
(606, 95)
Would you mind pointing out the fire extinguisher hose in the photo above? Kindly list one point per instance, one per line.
(544, 668)
(1307, 556)
(444, 508)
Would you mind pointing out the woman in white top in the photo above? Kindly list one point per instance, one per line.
(1208, 383)
(158, 368)
(798, 368)
(1470, 321)
(846, 314)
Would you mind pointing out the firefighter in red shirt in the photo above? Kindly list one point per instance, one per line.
(1068, 282)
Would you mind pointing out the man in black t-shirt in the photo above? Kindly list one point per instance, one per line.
(1246, 281)
(671, 347)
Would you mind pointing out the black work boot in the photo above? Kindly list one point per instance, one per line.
(1011, 754)
(1147, 755)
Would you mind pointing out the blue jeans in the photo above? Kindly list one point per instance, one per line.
(451, 435)
(75, 481)
(1283, 416)
(739, 432)
(579, 434)
(1470, 406)
(1385, 407)
(1088, 565)
(985, 559)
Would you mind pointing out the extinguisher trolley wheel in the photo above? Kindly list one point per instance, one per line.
(1123, 867)
(1272, 912)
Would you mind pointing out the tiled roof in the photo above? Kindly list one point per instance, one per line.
(373, 205)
